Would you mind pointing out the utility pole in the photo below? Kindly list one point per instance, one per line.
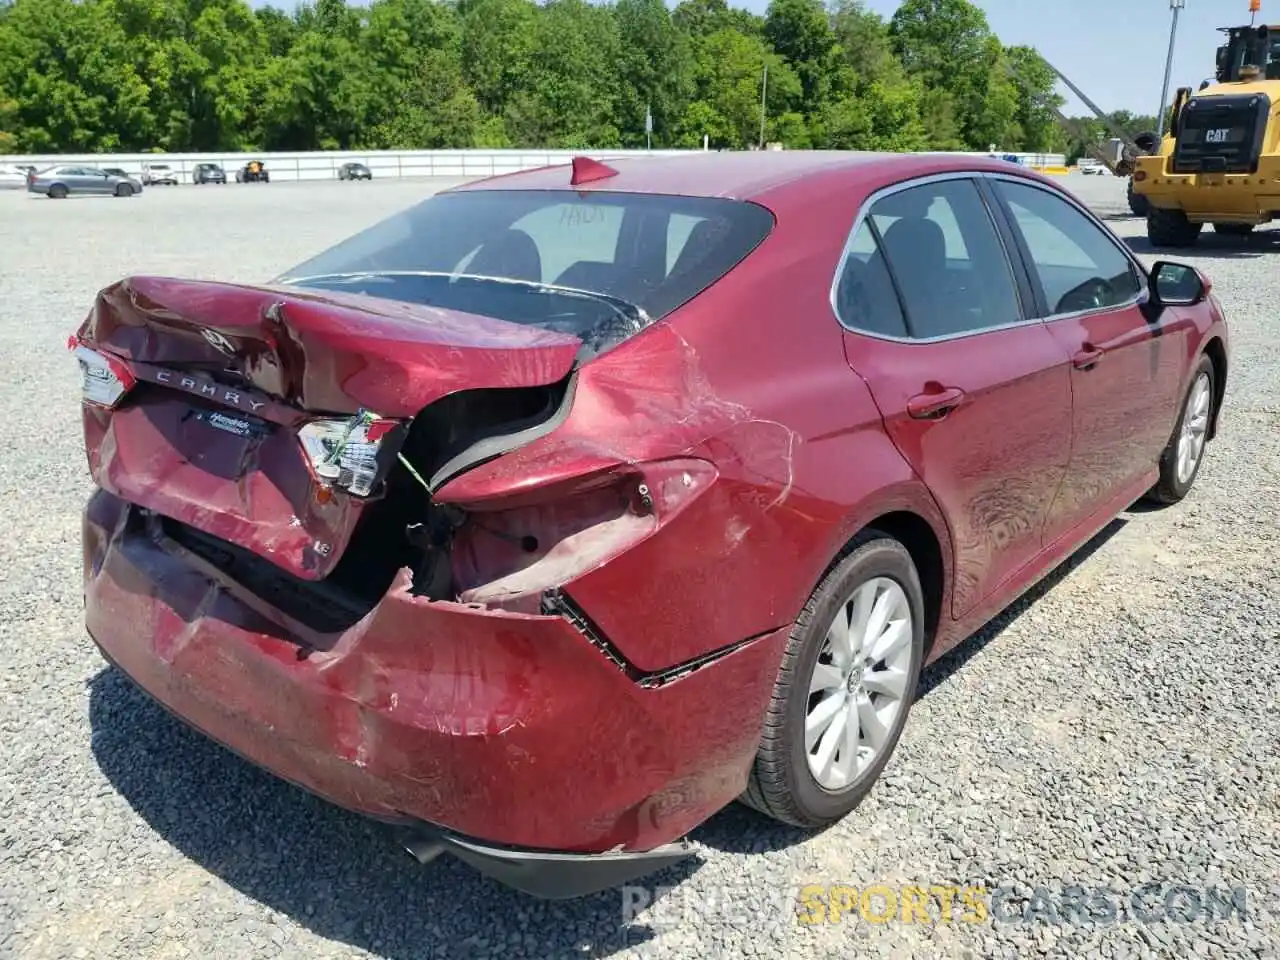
(1176, 6)
(764, 86)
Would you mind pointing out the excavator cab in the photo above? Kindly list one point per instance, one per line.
(1250, 53)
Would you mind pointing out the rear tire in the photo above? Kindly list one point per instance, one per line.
(124, 190)
(810, 785)
(1139, 205)
(1171, 228)
(1233, 229)
(1182, 457)
(57, 192)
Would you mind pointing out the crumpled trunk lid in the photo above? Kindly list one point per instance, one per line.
(227, 374)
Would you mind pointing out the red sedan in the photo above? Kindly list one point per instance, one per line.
(558, 511)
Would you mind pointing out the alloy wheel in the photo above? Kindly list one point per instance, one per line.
(1195, 426)
(858, 690)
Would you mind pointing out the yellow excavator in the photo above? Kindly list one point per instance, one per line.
(1220, 162)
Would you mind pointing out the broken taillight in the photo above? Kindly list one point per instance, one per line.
(104, 379)
(353, 454)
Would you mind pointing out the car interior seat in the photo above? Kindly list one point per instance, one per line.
(511, 254)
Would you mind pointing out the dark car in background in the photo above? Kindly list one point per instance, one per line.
(208, 173)
(255, 171)
(354, 171)
(65, 181)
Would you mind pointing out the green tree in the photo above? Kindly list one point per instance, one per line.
(568, 100)
(800, 31)
(498, 38)
(655, 68)
(729, 72)
(946, 44)
(68, 67)
(1037, 98)
(219, 75)
(436, 109)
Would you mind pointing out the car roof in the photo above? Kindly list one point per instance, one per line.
(744, 175)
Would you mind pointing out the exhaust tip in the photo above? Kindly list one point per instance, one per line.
(424, 851)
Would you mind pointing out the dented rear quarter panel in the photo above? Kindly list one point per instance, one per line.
(750, 376)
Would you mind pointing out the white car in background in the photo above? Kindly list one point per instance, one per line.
(11, 178)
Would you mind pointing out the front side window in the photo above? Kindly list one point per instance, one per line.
(1077, 265)
(600, 266)
(946, 257)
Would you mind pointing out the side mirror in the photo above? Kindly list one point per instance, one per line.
(1177, 285)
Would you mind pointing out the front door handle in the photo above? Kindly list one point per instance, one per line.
(1087, 358)
(934, 406)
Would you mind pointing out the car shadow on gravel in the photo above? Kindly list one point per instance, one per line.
(339, 875)
(1211, 246)
(953, 660)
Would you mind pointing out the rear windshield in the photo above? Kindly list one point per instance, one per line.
(598, 265)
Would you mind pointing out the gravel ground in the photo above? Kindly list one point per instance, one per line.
(1117, 728)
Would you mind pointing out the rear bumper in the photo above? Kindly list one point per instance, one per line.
(509, 740)
(1212, 197)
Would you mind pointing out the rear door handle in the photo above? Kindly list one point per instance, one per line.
(1087, 358)
(934, 406)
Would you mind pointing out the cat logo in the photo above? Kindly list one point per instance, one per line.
(1216, 136)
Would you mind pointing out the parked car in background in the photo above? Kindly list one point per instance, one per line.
(59, 182)
(552, 514)
(208, 173)
(354, 171)
(119, 172)
(255, 171)
(159, 174)
(11, 178)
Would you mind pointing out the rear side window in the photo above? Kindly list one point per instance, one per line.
(865, 298)
(1077, 265)
(946, 259)
(600, 266)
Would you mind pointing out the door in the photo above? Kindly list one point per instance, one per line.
(976, 396)
(75, 179)
(1126, 369)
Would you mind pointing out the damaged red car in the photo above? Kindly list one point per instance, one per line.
(558, 511)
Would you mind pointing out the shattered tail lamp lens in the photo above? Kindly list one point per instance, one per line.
(345, 453)
(104, 379)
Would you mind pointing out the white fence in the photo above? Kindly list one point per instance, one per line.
(323, 165)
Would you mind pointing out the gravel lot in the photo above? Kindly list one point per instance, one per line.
(1116, 728)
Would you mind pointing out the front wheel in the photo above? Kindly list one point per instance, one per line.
(846, 683)
(1180, 462)
(124, 190)
(1171, 228)
(1139, 205)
